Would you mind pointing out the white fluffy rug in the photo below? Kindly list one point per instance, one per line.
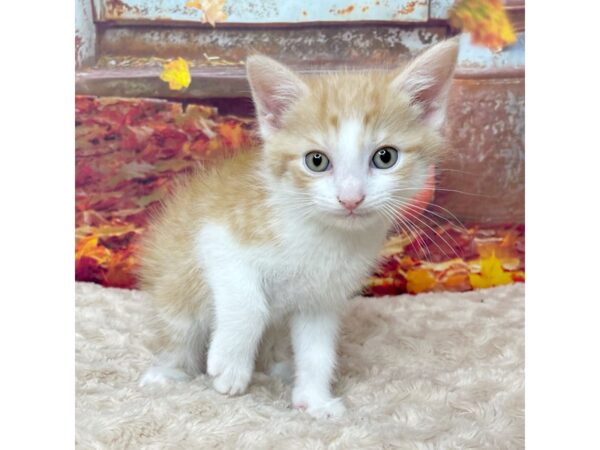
(426, 372)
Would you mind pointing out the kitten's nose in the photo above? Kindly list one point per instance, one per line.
(351, 203)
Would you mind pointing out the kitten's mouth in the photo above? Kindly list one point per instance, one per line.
(350, 219)
(354, 214)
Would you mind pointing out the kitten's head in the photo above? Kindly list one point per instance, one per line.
(349, 149)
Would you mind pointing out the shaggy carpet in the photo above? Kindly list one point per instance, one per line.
(430, 371)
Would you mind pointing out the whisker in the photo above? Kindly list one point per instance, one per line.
(445, 210)
(462, 172)
(424, 249)
(415, 217)
(413, 233)
(434, 189)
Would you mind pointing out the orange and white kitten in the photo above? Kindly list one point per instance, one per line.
(252, 262)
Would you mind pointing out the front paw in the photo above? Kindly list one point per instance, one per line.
(320, 407)
(231, 379)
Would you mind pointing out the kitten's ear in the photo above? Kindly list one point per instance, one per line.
(427, 80)
(274, 89)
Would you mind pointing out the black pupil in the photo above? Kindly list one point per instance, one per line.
(385, 156)
(317, 160)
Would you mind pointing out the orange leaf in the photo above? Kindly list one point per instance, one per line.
(419, 280)
(232, 133)
(90, 248)
(486, 20)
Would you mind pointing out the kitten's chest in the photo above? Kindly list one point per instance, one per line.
(313, 271)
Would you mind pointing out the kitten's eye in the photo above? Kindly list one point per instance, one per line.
(385, 157)
(316, 161)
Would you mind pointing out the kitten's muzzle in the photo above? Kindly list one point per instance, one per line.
(351, 203)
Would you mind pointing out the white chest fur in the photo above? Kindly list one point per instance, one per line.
(307, 268)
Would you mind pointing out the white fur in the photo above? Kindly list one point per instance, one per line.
(299, 282)
(350, 171)
(162, 375)
(295, 281)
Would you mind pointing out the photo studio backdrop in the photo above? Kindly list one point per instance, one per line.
(135, 132)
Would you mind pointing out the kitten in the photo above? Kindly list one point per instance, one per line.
(254, 260)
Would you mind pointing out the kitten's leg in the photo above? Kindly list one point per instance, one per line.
(314, 340)
(186, 354)
(241, 314)
(275, 353)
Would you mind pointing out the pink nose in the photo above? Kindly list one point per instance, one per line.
(351, 203)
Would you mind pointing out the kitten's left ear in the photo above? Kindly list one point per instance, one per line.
(427, 80)
(274, 89)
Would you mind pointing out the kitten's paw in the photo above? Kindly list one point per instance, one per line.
(162, 375)
(320, 408)
(232, 380)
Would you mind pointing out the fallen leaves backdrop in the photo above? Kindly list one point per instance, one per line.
(128, 153)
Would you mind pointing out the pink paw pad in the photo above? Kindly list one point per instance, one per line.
(300, 406)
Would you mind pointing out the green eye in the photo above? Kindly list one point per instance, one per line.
(316, 161)
(385, 157)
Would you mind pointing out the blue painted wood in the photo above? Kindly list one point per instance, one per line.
(268, 11)
(85, 33)
(439, 8)
(477, 57)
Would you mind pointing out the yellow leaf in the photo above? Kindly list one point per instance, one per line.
(492, 274)
(212, 10)
(177, 74)
(89, 247)
(419, 280)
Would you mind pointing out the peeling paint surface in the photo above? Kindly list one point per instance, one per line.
(476, 57)
(132, 57)
(438, 9)
(319, 46)
(486, 161)
(85, 33)
(268, 11)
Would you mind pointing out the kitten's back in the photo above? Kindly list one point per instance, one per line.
(229, 193)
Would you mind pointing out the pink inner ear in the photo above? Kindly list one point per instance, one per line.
(423, 198)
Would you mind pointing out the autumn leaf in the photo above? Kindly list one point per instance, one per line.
(90, 248)
(157, 140)
(232, 133)
(491, 274)
(419, 280)
(212, 10)
(177, 74)
(518, 277)
(486, 20)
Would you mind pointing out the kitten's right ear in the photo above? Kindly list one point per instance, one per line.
(427, 80)
(274, 89)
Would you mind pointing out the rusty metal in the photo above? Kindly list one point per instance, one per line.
(480, 62)
(131, 58)
(348, 44)
(266, 11)
(485, 166)
(85, 34)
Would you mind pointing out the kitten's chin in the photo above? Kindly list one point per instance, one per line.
(354, 221)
